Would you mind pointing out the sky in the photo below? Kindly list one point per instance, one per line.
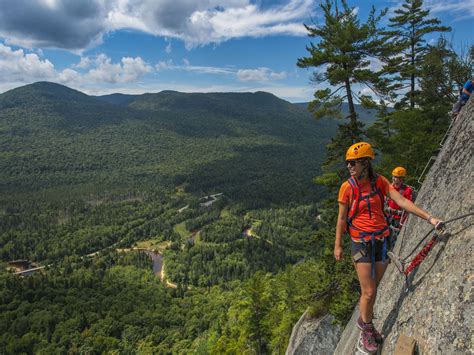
(135, 46)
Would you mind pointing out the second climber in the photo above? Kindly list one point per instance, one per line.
(396, 214)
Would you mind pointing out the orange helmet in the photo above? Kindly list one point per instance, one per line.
(399, 172)
(360, 150)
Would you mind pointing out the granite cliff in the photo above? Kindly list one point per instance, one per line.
(435, 311)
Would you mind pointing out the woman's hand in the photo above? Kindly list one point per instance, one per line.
(338, 252)
(437, 223)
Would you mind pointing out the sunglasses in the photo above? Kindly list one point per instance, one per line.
(352, 162)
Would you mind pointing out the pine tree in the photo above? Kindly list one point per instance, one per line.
(443, 72)
(418, 131)
(342, 56)
(404, 55)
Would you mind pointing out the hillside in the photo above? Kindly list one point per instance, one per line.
(56, 138)
(117, 99)
(84, 182)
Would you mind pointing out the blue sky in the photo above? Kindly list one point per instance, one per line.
(136, 46)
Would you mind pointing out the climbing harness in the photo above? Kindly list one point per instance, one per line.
(418, 259)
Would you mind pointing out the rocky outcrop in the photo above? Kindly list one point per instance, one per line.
(313, 336)
(436, 309)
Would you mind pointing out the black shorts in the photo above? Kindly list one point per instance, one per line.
(362, 252)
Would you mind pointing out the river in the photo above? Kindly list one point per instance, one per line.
(157, 261)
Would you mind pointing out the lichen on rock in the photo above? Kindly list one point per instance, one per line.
(314, 336)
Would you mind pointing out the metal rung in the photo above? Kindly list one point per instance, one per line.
(446, 134)
(426, 167)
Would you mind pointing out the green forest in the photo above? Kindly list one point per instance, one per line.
(87, 181)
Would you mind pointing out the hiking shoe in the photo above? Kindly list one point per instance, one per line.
(369, 327)
(377, 336)
(366, 343)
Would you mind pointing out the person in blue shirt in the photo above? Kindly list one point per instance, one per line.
(465, 95)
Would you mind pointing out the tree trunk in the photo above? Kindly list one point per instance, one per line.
(412, 78)
(352, 111)
(412, 74)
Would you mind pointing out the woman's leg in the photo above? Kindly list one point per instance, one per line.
(368, 290)
(380, 268)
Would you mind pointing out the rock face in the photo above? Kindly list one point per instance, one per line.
(313, 336)
(436, 310)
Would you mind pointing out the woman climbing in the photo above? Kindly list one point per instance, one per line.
(361, 202)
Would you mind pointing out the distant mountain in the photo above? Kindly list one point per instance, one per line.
(210, 101)
(251, 146)
(56, 106)
(117, 99)
(41, 93)
(367, 116)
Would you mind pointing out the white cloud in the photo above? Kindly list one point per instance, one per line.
(99, 75)
(72, 25)
(205, 69)
(278, 76)
(168, 65)
(162, 65)
(85, 62)
(211, 25)
(168, 48)
(456, 9)
(460, 9)
(50, 3)
(78, 25)
(18, 66)
(129, 70)
(375, 64)
(69, 76)
(259, 74)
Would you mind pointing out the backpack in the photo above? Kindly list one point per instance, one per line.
(414, 193)
(356, 197)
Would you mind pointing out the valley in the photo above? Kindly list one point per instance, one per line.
(182, 202)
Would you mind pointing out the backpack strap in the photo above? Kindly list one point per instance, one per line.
(376, 188)
(403, 187)
(379, 184)
(354, 204)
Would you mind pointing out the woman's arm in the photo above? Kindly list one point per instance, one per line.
(340, 229)
(409, 206)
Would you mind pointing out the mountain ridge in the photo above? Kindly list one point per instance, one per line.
(54, 136)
